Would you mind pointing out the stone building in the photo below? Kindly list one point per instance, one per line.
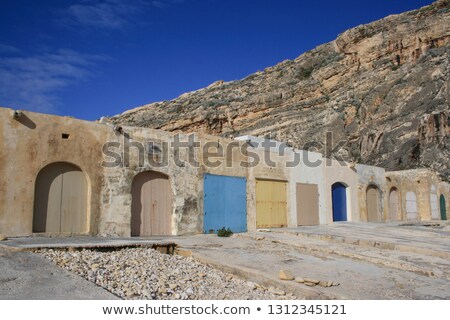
(63, 176)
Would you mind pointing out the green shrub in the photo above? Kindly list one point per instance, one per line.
(224, 232)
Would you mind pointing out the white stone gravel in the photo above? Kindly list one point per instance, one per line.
(144, 273)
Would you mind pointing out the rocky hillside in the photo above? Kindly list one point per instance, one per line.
(382, 87)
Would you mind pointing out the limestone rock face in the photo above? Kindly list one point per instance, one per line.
(383, 88)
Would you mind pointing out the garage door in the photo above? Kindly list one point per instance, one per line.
(60, 202)
(151, 206)
(271, 204)
(225, 203)
(307, 204)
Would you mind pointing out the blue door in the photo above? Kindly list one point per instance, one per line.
(339, 195)
(225, 204)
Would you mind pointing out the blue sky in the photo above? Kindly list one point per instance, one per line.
(90, 58)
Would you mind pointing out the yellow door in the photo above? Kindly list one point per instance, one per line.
(271, 204)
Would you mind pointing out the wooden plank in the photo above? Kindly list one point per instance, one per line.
(47, 200)
(73, 201)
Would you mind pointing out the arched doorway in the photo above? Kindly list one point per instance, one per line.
(339, 199)
(151, 207)
(411, 206)
(60, 200)
(443, 208)
(372, 202)
(393, 205)
(434, 203)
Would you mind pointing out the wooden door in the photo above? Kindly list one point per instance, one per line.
(60, 202)
(225, 203)
(151, 208)
(307, 204)
(393, 205)
(339, 201)
(372, 197)
(271, 204)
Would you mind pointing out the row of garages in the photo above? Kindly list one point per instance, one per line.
(62, 189)
(55, 181)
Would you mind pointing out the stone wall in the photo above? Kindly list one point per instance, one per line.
(419, 182)
(184, 180)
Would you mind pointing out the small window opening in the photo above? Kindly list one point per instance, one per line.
(65, 136)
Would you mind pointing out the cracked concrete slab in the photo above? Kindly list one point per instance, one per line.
(363, 272)
(27, 276)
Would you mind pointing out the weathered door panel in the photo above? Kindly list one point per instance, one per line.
(339, 199)
(271, 204)
(60, 204)
(307, 204)
(372, 203)
(151, 208)
(74, 202)
(225, 203)
(393, 205)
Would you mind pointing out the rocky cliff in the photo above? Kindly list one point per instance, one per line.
(382, 87)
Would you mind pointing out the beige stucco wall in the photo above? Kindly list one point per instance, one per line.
(29, 144)
(371, 176)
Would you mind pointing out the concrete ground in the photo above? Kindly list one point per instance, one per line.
(369, 261)
(27, 276)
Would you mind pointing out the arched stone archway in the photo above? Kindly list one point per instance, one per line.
(151, 207)
(373, 203)
(60, 200)
(393, 205)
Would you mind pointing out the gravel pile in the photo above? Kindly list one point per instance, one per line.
(143, 273)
